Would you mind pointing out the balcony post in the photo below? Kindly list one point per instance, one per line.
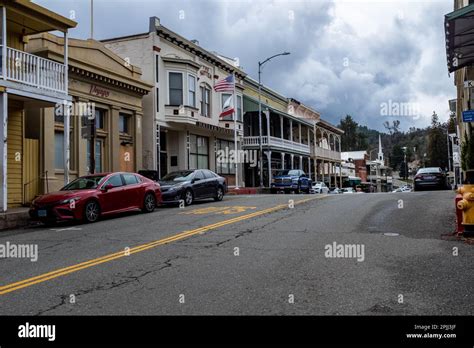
(269, 161)
(323, 169)
(66, 60)
(309, 166)
(301, 163)
(292, 161)
(4, 42)
(299, 131)
(291, 130)
(283, 161)
(281, 127)
(3, 149)
(340, 174)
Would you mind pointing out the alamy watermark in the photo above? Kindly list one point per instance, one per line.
(406, 109)
(78, 109)
(346, 251)
(237, 156)
(20, 251)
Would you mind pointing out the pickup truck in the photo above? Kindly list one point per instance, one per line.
(291, 180)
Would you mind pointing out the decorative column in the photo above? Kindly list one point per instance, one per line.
(269, 160)
(281, 127)
(301, 163)
(291, 130)
(299, 131)
(282, 160)
(292, 161)
(3, 140)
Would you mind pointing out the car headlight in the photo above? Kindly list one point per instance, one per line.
(69, 200)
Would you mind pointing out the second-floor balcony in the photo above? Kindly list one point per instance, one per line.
(31, 70)
(283, 144)
(326, 154)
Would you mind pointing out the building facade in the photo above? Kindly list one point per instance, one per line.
(184, 130)
(106, 114)
(27, 82)
(286, 139)
(459, 31)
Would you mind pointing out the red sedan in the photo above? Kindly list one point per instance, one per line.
(89, 197)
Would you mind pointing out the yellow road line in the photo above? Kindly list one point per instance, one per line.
(124, 253)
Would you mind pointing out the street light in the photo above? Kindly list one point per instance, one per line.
(405, 162)
(260, 64)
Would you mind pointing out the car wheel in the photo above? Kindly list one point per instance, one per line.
(219, 194)
(149, 203)
(91, 212)
(188, 197)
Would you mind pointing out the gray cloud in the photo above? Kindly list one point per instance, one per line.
(346, 57)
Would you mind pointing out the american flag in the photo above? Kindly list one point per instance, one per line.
(225, 85)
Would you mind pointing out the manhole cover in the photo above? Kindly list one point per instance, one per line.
(391, 234)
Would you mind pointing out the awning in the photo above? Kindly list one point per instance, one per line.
(459, 31)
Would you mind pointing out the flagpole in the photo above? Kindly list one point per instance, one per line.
(236, 155)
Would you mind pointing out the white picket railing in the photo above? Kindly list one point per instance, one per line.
(277, 142)
(34, 70)
(329, 154)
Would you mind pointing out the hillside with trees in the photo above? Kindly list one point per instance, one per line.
(426, 145)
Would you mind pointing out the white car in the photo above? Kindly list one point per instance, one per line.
(319, 187)
(348, 190)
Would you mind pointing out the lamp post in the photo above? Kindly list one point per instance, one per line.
(405, 162)
(260, 64)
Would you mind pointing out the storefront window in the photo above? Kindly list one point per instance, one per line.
(59, 150)
(176, 88)
(223, 166)
(199, 152)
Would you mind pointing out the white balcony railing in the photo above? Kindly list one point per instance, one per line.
(329, 154)
(276, 142)
(34, 71)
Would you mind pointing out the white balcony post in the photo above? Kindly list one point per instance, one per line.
(3, 150)
(4, 42)
(292, 161)
(66, 60)
(299, 131)
(282, 160)
(291, 130)
(269, 160)
(281, 127)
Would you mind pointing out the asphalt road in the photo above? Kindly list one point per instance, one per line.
(250, 255)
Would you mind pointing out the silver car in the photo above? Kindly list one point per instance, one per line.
(319, 187)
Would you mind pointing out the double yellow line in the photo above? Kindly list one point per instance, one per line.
(126, 252)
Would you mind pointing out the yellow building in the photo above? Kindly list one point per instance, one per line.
(27, 82)
(105, 110)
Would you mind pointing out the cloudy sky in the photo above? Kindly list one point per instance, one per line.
(347, 57)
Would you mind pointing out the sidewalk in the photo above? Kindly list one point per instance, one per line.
(14, 218)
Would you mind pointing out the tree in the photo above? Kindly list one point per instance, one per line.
(353, 138)
(349, 138)
(437, 144)
(396, 156)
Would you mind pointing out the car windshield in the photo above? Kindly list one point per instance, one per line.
(84, 183)
(288, 172)
(179, 176)
(429, 170)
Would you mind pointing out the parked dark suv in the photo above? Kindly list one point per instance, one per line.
(291, 180)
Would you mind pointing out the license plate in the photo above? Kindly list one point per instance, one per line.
(42, 213)
(430, 177)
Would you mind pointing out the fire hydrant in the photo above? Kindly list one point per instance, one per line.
(466, 204)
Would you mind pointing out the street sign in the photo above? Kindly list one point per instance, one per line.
(469, 84)
(468, 116)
